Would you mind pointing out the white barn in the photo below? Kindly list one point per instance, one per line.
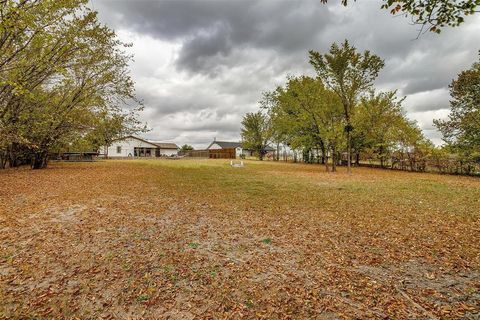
(131, 146)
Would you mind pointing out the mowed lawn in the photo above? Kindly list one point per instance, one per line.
(186, 239)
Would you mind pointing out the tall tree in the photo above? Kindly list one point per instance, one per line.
(412, 147)
(279, 133)
(60, 72)
(378, 120)
(461, 131)
(348, 73)
(313, 116)
(256, 133)
(296, 114)
(36, 42)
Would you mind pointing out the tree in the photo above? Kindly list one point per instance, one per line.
(36, 42)
(312, 117)
(434, 14)
(104, 128)
(412, 146)
(378, 120)
(269, 102)
(256, 133)
(461, 131)
(63, 76)
(185, 148)
(349, 74)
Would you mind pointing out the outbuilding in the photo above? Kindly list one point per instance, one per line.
(225, 149)
(232, 150)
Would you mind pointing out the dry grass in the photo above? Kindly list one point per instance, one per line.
(199, 239)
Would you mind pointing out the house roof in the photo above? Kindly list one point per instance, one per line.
(165, 145)
(226, 144)
(161, 145)
(229, 144)
(136, 138)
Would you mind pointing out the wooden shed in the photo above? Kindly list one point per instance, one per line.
(224, 149)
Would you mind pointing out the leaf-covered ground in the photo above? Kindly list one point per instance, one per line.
(200, 239)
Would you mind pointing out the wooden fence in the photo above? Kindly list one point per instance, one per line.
(212, 154)
(197, 154)
(222, 153)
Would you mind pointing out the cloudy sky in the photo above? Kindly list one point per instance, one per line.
(200, 65)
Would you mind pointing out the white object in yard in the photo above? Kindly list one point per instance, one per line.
(236, 164)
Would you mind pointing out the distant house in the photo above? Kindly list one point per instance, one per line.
(233, 149)
(132, 146)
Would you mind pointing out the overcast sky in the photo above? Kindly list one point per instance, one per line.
(201, 65)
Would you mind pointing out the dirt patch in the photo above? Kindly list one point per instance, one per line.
(69, 214)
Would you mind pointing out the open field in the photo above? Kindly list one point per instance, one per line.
(198, 239)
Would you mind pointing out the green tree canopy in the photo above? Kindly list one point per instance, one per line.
(461, 131)
(186, 148)
(380, 124)
(256, 133)
(348, 73)
(311, 116)
(63, 76)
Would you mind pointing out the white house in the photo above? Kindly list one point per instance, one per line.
(131, 146)
(166, 149)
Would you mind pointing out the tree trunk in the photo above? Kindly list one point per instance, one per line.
(322, 147)
(349, 151)
(334, 159)
(357, 159)
(39, 160)
(382, 157)
(12, 156)
(327, 168)
(306, 156)
(3, 159)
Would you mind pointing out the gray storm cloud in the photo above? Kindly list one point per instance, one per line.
(201, 65)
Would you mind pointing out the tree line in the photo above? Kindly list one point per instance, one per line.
(339, 117)
(64, 81)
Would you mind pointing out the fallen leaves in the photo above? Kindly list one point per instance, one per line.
(195, 240)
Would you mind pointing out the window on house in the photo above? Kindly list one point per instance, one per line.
(119, 149)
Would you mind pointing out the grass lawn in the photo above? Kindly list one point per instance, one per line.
(199, 239)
